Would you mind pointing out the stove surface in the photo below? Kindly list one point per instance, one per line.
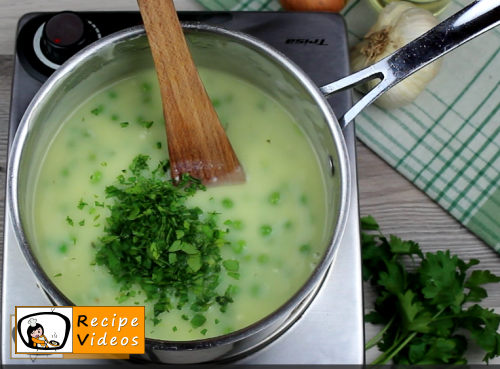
(331, 331)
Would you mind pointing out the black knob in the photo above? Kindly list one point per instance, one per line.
(64, 35)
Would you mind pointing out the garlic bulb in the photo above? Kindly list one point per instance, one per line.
(398, 24)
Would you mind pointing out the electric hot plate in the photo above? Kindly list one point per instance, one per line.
(331, 329)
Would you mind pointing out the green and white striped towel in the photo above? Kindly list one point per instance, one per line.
(448, 141)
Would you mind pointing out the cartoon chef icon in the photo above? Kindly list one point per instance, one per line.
(35, 334)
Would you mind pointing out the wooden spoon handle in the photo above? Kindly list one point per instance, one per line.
(197, 143)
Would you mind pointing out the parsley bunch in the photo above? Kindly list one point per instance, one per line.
(422, 305)
(153, 240)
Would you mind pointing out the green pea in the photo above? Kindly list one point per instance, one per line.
(256, 290)
(96, 177)
(275, 198)
(98, 110)
(266, 230)
(215, 103)
(263, 258)
(234, 290)
(227, 203)
(215, 217)
(239, 246)
(305, 249)
(238, 224)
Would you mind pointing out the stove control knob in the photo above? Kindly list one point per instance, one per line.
(64, 35)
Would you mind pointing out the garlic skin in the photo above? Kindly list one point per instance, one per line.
(398, 24)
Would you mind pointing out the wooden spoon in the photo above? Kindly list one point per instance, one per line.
(197, 143)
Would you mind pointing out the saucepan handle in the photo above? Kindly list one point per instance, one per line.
(473, 20)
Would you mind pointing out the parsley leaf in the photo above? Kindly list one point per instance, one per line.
(198, 320)
(147, 125)
(231, 265)
(422, 306)
(81, 204)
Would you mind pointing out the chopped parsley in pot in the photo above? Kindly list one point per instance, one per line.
(153, 240)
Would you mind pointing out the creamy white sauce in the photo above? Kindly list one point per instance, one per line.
(284, 193)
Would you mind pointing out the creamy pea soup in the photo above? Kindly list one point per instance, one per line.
(276, 220)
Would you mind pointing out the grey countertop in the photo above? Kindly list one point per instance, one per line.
(398, 206)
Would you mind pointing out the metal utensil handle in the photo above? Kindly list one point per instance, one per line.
(471, 21)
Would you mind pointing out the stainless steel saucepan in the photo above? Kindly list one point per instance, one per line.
(249, 59)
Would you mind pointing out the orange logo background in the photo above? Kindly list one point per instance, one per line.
(108, 330)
